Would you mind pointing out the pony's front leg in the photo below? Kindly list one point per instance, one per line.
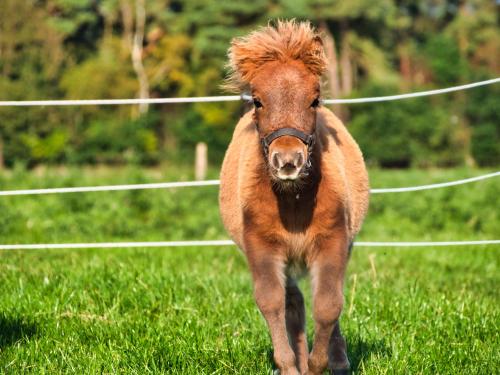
(269, 292)
(327, 271)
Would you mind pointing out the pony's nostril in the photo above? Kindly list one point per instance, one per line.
(275, 161)
(299, 160)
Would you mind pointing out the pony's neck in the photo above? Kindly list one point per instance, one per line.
(296, 203)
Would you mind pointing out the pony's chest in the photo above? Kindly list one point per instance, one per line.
(298, 248)
(294, 224)
(297, 244)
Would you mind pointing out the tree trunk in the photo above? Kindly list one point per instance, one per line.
(201, 162)
(345, 62)
(463, 44)
(346, 71)
(140, 21)
(2, 163)
(128, 23)
(333, 66)
(405, 67)
(134, 38)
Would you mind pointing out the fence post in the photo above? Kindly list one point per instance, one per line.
(200, 163)
(2, 164)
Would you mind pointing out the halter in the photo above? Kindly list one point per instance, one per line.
(307, 139)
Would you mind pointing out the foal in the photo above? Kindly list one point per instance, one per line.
(294, 192)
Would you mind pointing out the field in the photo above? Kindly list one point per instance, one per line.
(190, 310)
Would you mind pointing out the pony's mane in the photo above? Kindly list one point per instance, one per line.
(284, 41)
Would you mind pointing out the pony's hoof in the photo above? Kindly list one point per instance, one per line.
(344, 371)
(289, 372)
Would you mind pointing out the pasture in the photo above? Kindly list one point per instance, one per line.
(191, 310)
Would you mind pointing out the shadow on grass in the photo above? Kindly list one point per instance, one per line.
(359, 351)
(13, 330)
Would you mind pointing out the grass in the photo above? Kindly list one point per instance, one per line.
(190, 310)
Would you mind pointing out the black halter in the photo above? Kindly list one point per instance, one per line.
(307, 139)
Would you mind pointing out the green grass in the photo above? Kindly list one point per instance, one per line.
(190, 310)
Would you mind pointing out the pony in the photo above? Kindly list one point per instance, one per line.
(293, 193)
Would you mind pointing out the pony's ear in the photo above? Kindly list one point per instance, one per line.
(316, 60)
(318, 42)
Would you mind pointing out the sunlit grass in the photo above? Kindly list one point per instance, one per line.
(190, 310)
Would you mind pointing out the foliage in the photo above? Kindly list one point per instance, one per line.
(83, 49)
(409, 133)
(111, 142)
(483, 111)
(191, 310)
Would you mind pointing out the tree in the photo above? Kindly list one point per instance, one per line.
(167, 48)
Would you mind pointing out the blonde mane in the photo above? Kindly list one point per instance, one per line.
(285, 41)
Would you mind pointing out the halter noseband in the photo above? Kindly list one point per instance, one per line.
(307, 139)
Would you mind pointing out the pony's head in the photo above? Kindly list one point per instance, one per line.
(281, 65)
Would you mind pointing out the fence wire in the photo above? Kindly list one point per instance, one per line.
(182, 184)
(232, 98)
(158, 244)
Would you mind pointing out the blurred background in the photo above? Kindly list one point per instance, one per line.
(89, 49)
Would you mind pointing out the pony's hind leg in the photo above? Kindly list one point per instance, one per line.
(338, 363)
(295, 324)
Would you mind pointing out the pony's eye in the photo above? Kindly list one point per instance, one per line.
(315, 103)
(257, 103)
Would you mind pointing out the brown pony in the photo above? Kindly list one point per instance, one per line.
(294, 192)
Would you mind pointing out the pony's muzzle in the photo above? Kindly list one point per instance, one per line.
(287, 157)
(287, 164)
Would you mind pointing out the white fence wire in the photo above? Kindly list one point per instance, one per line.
(83, 189)
(411, 95)
(158, 244)
(181, 184)
(232, 98)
